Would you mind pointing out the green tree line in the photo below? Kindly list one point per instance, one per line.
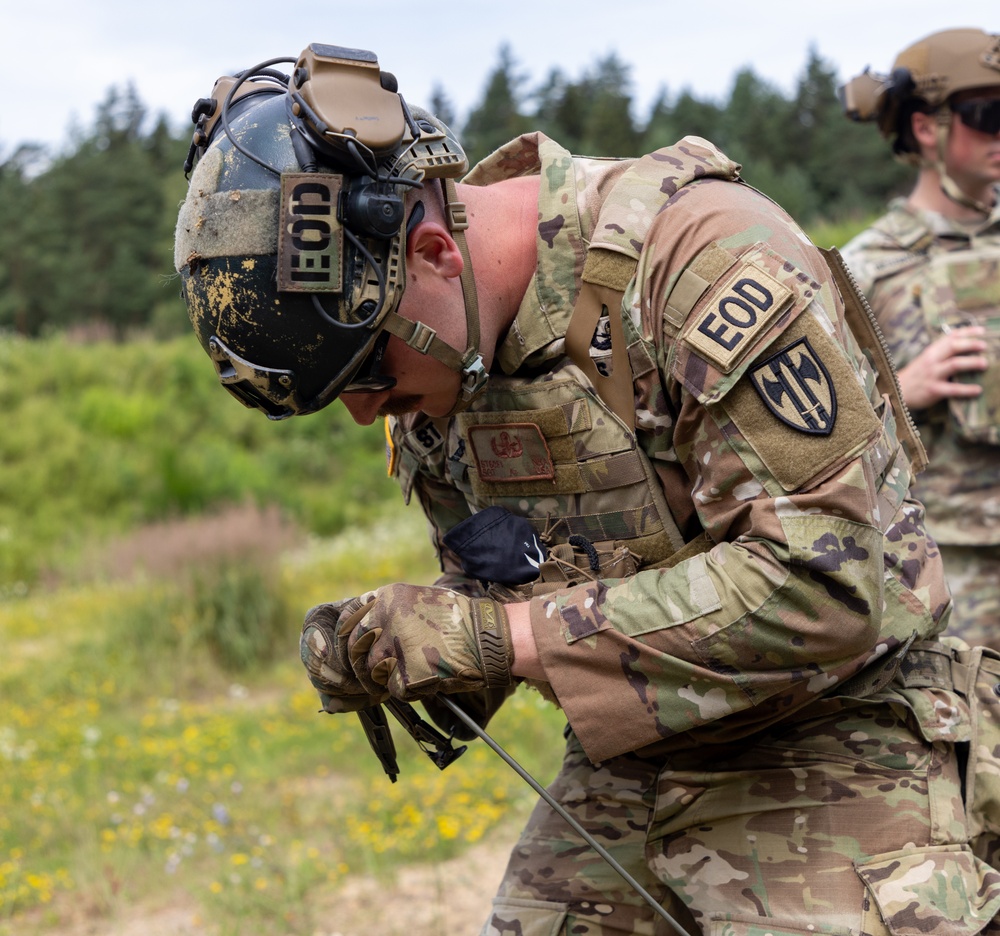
(111, 436)
(87, 235)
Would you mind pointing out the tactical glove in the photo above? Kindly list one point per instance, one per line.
(324, 655)
(418, 640)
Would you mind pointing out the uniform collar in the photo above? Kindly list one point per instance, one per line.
(942, 226)
(537, 332)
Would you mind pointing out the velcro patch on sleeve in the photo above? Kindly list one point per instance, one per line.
(734, 313)
(801, 407)
(424, 439)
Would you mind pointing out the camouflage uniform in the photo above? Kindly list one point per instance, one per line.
(923, 274)
(741, 733)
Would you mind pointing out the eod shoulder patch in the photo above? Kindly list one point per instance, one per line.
(735, 312)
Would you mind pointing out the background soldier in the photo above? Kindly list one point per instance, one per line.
(649, 368)
(931, 270)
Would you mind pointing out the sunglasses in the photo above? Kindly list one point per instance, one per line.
(369, 378)
(982, 114)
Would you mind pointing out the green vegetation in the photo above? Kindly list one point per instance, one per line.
(160, 544)
(137, 760)
(104, 437)
(87, 233)
(837, 233)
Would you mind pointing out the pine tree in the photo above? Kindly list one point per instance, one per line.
(499, 118)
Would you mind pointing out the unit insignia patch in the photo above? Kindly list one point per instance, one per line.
(795, 385)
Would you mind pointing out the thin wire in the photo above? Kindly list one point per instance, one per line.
(583, 833)
(379, 278)
(224, 115)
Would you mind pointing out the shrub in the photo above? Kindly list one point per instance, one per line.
(105, 437)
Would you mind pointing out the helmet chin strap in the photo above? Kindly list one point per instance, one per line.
(424, 339)
(948, 185)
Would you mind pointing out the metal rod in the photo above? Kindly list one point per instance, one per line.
(579, 829)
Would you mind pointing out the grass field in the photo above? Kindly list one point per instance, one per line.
(136, 759)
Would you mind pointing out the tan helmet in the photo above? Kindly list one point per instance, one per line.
(923, 77)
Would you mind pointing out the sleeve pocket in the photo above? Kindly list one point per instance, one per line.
(689, 598)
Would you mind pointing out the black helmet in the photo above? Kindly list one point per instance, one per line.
(291, 241)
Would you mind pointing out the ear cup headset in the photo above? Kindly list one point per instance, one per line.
(291, 242)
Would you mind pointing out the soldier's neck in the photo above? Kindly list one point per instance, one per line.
(503, 232)
(927, 195)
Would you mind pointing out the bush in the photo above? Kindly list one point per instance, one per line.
(212, 599)
(101, 438)
(240, 614)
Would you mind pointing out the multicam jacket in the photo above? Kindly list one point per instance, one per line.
(758, 427)
(924, 273)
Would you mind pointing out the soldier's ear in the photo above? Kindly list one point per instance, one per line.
(924, 127)
(430, 248)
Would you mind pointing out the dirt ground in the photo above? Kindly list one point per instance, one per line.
(447, 899)
(450, 898)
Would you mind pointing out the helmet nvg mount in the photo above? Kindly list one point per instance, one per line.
(924, 77)
(291, 243)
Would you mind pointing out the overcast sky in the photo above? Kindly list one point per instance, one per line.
(64, 55)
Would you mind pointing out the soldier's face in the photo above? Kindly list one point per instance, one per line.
(973, 156)
(422, 385)
(433, 296)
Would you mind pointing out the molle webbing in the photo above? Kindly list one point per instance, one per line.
(598, 475)
(557, 424)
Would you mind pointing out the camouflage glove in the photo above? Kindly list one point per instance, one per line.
(417, 640)
(324, 655)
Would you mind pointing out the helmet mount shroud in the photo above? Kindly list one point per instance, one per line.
(924, 77)
(291, 242)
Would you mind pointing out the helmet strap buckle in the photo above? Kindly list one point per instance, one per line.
(474, 378)
(422, 338)
(458, 218)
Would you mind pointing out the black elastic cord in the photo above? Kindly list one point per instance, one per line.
(263, 69)
(588, 547)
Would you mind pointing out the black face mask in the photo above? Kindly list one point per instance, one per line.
(495, 545)
(980, 114)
